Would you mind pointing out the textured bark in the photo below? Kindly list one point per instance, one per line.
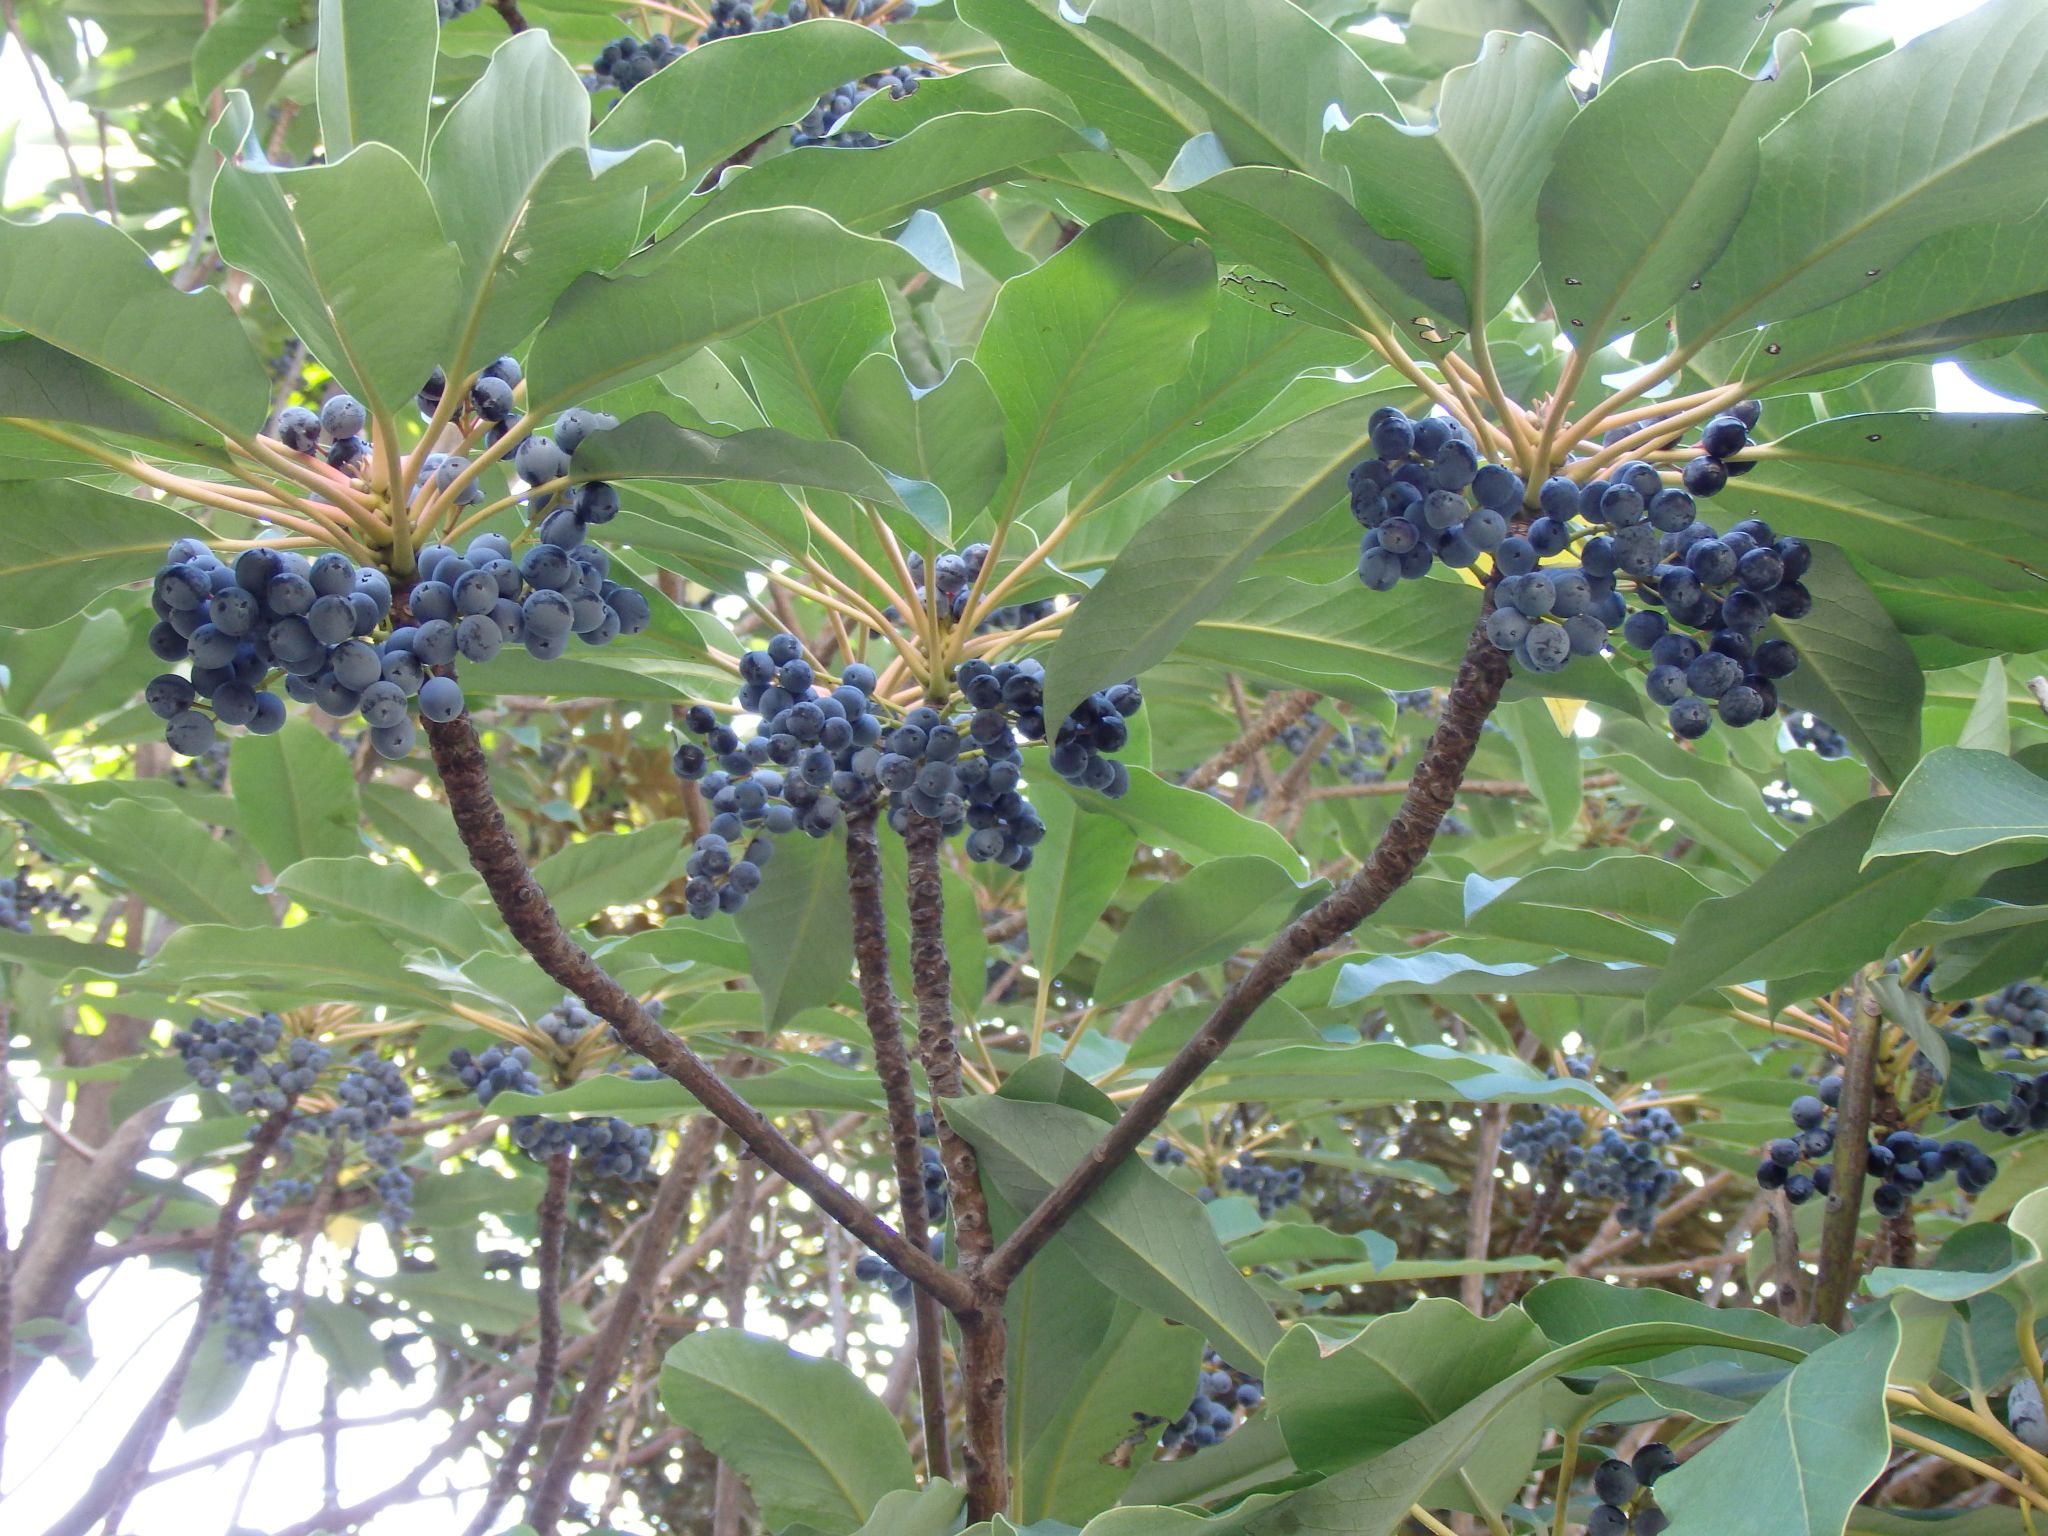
(1493, 1120)
(899, 1092)
(554, 1217)
(1400, 851)
(628, 1311)
(1839, 1267)
(984, 1344)
(125, 1467)
(533, 924)
(729, 1499)
(1278, 714)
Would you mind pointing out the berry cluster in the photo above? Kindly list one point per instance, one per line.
(242, 1049)
(22, 898)
(819, 125)
(1809, 730)
(818, 750)
(604, 1146)
(450, 9)
(2026, 1108)
(339, 422)
(954, 575)
(1219, 1395)
(248, 1310)
(1619, 1484)
(736, 18)
(1426, 498)
(568, 1022)
(371, 1095)
(1166, 1155)
(2021, 1012)
(1904, 1162)
(1356, 754)
(873, 1269)
(1622, 1163)
(1272, 1188)
(1721, 439)
(626, 61)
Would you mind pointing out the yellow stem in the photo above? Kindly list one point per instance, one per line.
(853, 558)
(483, 514)
(819, 571)
(1968, 1463)
(1985, 1427)
(1538, 464)
(1761, 1021)
(975, 615)
(1429, 1522)
(1640, 440)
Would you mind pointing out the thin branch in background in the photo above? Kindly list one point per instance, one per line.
(122, 1473)
(6, 1243)
(1493, 1119)
(1280, 712)
(509, 10)
(729, 1494)
(554, 1217)
(1839, 1270)
(35, 73)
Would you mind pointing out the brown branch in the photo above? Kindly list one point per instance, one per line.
(1542, 1210)
(554, 1218)
(729, 1494)
(1607, 1243)
(1493, 1119)
(1839, 1269)
(509, 9)
(1502, 789)
(1278, 714)
(532, 922)
(122, 1473)
(629, 1308)
(6, 1243)
(1400, 851)
(1785, 1272)
(180, 1239)
(899, 1092)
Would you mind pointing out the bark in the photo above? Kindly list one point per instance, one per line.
(1839, 1267)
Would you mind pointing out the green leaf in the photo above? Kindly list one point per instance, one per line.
(297, 793)
(799, 927)
(333, 273)
(1465, 194)
(651, 447)
(1142, 1237)
(1815, 913)
(1381, 1072)
(812, 1443)
(1207, 914)
(1958, 800)
(1700, 32)
(79, 542)
(798, 363)
(1456, 975)
(950, 435)
(713, 283)
(934, 1509)
(522, 200)
(1624, 235)
(1989, 725)
(42, 382)
(390, 895)
(717, 99)
(241, 30)
(1262, 72)
(1401, 1375)
(612, 869)
(1936, 134)
(189, 349)
(1187, 559)
(806, 1086)
(1075, 345)
(1807, 1452)
(1550, 762)
(1855, 669)
(1194, 825)
(1073, 880)
(375, 66)
(319, 961)
(175, 865)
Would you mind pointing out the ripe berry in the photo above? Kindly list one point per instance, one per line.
(1614, 1482)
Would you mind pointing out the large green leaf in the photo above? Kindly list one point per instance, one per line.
(1622, 235)
(1381, 1072)
(319, 961)
(1143, 1238)
(68, 542)
(1263, 73)
(1816, 913)
(950, 435)
(1076, 345)
(652, 447)
(670, 300)
(1465, 195)
(812, 1442)
(1204, 916)
(1960, 799)
(1194, 825)
(1936, 134)
(188, 348)
(521, 199)
(392, 896)
(336, 276)
(1189, 558)
(1074, 878)
(799, 927)
(798, 363)
(175, 865)
(239, 31)
(375, 66)
(612, 869)
(1402, 1374)
(297, 793)
(1855, 669)
(47, 384)
(1807, 1452)
(1699, 32)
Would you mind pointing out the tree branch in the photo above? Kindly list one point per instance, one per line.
(1493, 1119)
(736, 1275)
(458, 755)
(628, 1310)
(127, 1465)
(899, 1092)
(509, 9)
(1400, 851)
(1839, 1270)
(554, 1217)
(1278, 714)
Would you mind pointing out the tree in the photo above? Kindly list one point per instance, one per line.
(1160, 727)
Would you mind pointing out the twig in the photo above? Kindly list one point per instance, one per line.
(509, 9)
(2038, 687)
(1504, 789)
(35, 73)
(1279, 713)
(629, 1308)
(1839, 1271)
(899, 1093)
(1493, 1119)
(554, 1216)
(532, 922)
(1785, 1271)
(729, 1494)
(122, 1473)
(1400, 851)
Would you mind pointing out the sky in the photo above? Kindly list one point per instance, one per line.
(61, 1425)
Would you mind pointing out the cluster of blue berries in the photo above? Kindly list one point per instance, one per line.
(1622, 1163)
(1272, 1188)
(236, 1054)
(369, 1098)
(626, 61)
(1618, 1485)
(1357, 754)
(2019, 1015)
(1904, 1162)
(22, 898)
(820, 125)
(248, 1313)
(2025, 1108)
(1810, 731)
(334, 432)
(569, 1022)
(603, 1145)
(873, 1269)
(1427, 497)
(953, 576)
(1220, 1395)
